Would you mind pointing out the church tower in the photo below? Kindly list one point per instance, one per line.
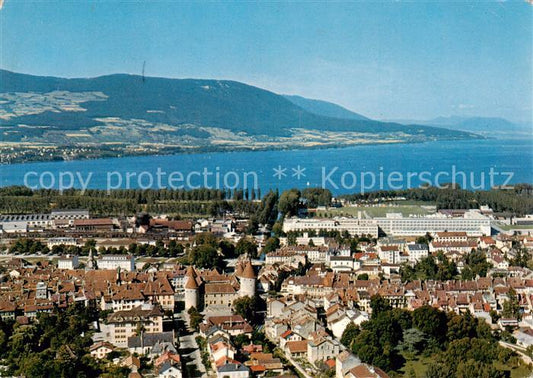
(247, 281)
(191, 290)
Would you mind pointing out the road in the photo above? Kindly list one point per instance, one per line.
(189, 351)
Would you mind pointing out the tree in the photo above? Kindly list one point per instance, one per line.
(477, 265)
(378, 304)
(271, 244)
(195, 318)
(363, 277)
(439, 370)
(317, 197)
(227, 248)
(246, 246)
(414, 340)
(511, 307)
(430, 321)
(289, 202)
(350, 333)
(205, 256)
(250, 308)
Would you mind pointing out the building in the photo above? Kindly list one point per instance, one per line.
(473, 223)
(23, 223)
(68, 262)
(287, 256)
(69, 214)
(114, 262)
(192, 294)
(416, 252)
(321, 348)
(101, 224)
(66, 241)
(343, 263)
(101, 349)
(247, 281)
(128, 323)
(354, 226)
(389, 254)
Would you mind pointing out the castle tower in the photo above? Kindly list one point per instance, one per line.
(247, 281)
(191, 289)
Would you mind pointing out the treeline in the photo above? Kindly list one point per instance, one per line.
(457, 345)
(21, 200)
(518, 200)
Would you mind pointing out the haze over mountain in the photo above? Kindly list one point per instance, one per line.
(478, 125)
(184, 114)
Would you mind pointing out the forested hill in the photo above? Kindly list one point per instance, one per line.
(211, 103)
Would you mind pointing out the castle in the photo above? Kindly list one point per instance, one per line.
(212, 291)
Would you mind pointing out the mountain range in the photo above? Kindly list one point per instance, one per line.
(185, 114)
(491, 126)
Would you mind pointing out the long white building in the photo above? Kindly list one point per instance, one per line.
(472, 222)
(354, 226)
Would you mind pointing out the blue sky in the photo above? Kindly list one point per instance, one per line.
(385, 60)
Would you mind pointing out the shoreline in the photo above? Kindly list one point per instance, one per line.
(219, 149)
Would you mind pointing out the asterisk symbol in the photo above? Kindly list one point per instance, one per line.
(298, 172)
(279, 172)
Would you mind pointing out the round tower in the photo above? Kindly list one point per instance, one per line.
(191, 289)
(247, 281)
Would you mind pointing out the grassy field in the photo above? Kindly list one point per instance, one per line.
(377, 210)
(507, 227)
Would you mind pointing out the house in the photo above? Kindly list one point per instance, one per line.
(344, 362)
(101, 349)
(366, 371)
(296, 348)
(232, 324)
(233, 370)
(221, 349)
(150, 343)
(264, 363)
(7, 310)
(168, 365)
(322, 347)
(338, 325)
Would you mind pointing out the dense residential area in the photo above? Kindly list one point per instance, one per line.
(420, 283)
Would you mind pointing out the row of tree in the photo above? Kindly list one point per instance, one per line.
(517, 200)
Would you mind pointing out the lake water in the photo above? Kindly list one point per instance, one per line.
(475, 164)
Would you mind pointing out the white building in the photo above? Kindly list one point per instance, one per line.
(354, 226)
(113, 262)
(473, 223)
(343, 264)
(416, 252)
(22, 223)
(68, 262)
(52, 242)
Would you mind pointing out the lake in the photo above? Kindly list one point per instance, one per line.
(474, 164)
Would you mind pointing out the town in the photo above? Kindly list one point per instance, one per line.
(297, 284)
